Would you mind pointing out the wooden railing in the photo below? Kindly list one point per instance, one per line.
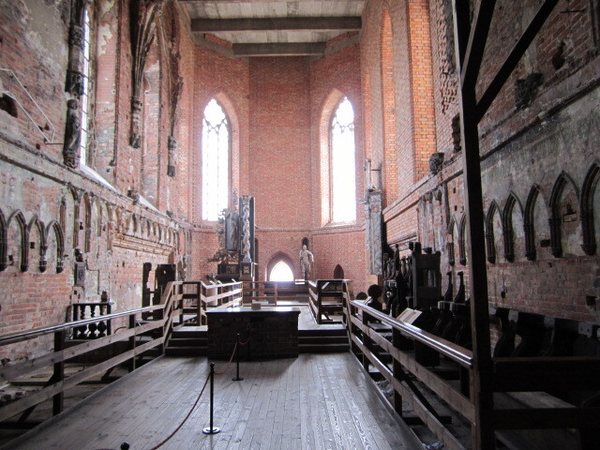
(378, 339)
(139, 331)
(93, 330)
(273, 292)
(199, 297)
(328, 297)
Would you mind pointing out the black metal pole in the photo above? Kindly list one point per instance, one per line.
(237, 359)
(211, 429)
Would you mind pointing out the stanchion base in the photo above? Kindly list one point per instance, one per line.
(213, 430)
(237, 379)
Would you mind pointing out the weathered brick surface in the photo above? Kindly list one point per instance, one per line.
(400, 75)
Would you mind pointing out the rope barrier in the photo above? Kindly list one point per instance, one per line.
(210, 377)
(185, 419)
(229, 362)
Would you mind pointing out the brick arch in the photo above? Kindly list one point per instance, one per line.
(508, 227)
(277, 258)
(588, 191)
(529, 223)
(451, 229)
(23, 247)
(490, 235)
(3, 242)
(338, 272)
(562, 182)
(36, 224)
(462, 238)
(54, 227)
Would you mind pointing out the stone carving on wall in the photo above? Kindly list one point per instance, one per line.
(75, 78)
(169, 41)
(143, 14)
(526, 89)
(74, 83)
(245, 201)
(436, 161)
(373, 208)
(171, 156)
(72, 134)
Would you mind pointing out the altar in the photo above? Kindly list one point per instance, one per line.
(268, 332)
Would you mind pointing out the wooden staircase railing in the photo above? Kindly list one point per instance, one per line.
(402, 341)
(328, 297)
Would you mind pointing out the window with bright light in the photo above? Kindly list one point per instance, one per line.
(343, 167)
(215, 161)
(85, 97)
(281, 272)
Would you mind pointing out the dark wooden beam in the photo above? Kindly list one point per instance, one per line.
(514, 57)
(289, 49)
(276, 24)
(468, 68)
(478, 32)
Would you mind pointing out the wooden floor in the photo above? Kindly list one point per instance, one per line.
(311, 402)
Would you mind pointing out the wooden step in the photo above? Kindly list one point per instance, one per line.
(323, 341)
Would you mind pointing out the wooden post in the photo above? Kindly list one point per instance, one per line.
(397, 370)
(132, 343)
(58, 401)
(469, 55)
(470, 41)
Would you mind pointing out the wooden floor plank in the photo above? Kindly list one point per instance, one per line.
(312, 402)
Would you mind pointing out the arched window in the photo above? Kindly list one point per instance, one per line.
(281, 272)
(86, 88)
(343, 164)
(215, 161)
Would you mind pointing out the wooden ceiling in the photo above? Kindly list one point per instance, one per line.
(272, 27)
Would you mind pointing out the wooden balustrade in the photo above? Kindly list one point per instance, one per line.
(390, 346)
(199, 297)
(328, 297)
(273, 292)
(93, 330)
(122, 347)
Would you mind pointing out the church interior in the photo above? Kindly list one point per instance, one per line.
(165, 163)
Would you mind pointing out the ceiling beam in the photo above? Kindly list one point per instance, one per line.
(276, 24)
(289, 49)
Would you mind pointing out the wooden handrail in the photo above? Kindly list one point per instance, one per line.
(446, 348)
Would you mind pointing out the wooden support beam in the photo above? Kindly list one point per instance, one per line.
(277, 24)
(514, 57)
(481, 395)
(290, 49)
(478, 33)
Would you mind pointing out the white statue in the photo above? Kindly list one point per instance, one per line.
(306, 261)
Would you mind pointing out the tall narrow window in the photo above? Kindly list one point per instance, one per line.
(343, 165)
(215, 161)
(85, 97)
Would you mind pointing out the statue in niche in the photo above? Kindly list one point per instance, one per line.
(306, 261)
(72, 134)
(172, 156)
